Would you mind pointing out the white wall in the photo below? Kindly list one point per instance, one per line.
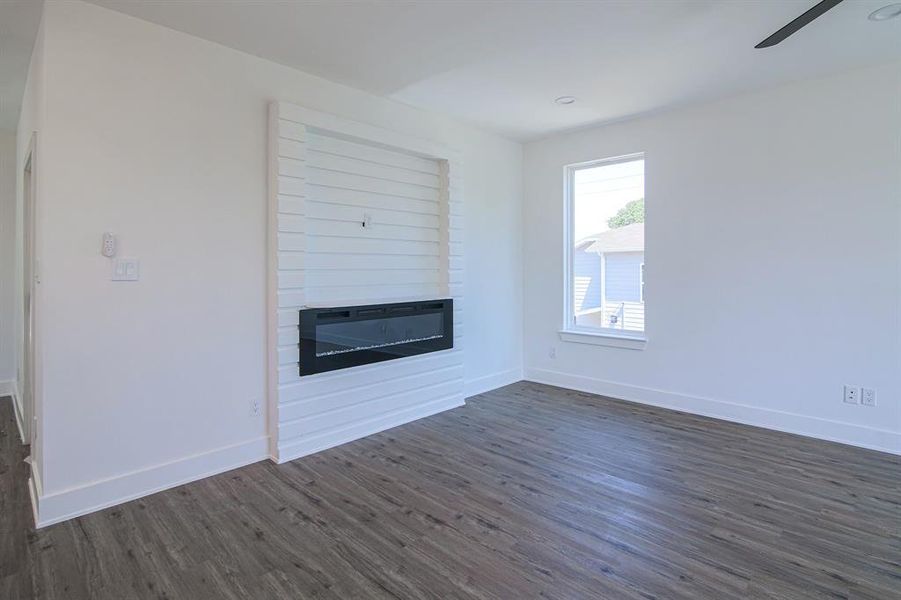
(7, 261)
(161, 138)
(773, 258)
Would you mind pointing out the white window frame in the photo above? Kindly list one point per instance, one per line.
(641, 281)
(570, 332)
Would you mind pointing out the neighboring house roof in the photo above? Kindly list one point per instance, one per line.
(622, 239)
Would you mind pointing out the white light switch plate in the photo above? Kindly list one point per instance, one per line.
(126, 269)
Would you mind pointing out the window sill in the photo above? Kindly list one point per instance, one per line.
(597, 338)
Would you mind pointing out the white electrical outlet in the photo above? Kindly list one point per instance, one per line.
(868, 396)
(254, 408)
(552, 352)
(852, 394)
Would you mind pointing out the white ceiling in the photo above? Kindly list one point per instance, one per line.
(19, 21)
(500, 64)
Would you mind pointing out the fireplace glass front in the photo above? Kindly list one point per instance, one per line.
(346, 336)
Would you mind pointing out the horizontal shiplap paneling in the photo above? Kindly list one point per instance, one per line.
(288, 317)
(347, 380)
(325, 278)
(291, 223)
(290, 260)
(353, 166)
(289, 185)
(292, 131)
(288, 241)
(387, 231)
(372, 246)
(338, 418)
(373, 185)
(291, 205)
(291, 298)
(327, 187)
(288, 336)
(373, 154)
(383, 214)
(342, 261)
(310, 444)
(311, 404)
(292, 149)
(367, 294)
(364, 199)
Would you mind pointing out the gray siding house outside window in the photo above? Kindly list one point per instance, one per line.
(607, 270)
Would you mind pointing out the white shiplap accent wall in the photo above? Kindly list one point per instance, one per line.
(326, 173)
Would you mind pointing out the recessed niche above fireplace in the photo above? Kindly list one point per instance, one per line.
(349, 336)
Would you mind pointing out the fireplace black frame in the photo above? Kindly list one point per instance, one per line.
(311, 364)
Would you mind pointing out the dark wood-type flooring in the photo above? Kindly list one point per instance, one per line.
(529, 491)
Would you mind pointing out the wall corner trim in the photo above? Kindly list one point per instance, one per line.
(833, 431)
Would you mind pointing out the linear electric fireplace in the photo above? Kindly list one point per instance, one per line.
(348, 336)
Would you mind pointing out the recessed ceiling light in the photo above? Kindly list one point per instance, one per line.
(565, 100)
(885, 13)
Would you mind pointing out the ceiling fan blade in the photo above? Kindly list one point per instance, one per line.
(793, 26)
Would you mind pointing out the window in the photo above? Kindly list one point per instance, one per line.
(605, 247)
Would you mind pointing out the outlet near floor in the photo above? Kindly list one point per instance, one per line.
(859, 395)
(852, 394)
(255, 407)
(868, 396)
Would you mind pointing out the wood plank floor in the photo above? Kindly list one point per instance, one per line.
(529, 491)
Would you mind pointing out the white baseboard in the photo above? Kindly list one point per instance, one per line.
(296, 449)
(34, 494)
(480, 385)
(6, 387)
(35, 489)
(824, 429)
(55, 507)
